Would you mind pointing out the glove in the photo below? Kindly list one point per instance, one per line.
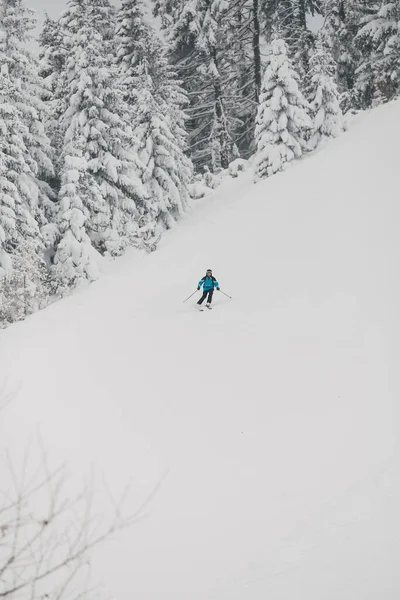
(218, 289)
(198, 289)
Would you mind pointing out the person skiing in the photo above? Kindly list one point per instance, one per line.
(209, 283)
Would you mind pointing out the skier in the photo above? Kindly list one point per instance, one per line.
(209, 283)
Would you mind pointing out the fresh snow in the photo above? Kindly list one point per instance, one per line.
(271, 422)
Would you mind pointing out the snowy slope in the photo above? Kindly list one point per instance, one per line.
(274, 417)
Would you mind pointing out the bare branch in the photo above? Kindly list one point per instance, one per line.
(44, 532)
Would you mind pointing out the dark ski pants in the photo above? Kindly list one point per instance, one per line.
(204, 296)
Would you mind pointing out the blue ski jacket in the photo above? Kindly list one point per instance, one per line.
(208, 283)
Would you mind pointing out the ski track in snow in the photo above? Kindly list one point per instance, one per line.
(271, 420)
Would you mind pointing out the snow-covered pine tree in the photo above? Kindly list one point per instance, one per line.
(333, 12)
(195, 32)
(16, 23)
(155, 101)
(282, 121)
(238, 49)
(326, 113)
(223, 150)
(248, 24)
(26, 289)
(290, 17)
(23, 272)
(16, 219)
(75, 259)
(352, 12)
(95, 135)
(240, 68)
(299, 38)
(364, 88)
(53, 55)
(25, 154)
(342, 21)
(277, 14)
(379, 41)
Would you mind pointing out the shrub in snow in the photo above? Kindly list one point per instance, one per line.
(24, 289)
(324, 97)
(282, 121)
(199, 190)
(205, 183)
(211, 180)
(237, 166)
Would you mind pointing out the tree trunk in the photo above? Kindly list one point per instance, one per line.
(256, 49)
(302, 15)
(222, 134)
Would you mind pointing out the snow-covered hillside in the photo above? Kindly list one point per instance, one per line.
(273, 419)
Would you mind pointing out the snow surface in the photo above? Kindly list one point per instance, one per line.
(272, 420)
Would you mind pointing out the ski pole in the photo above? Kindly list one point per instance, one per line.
(225, 294)
(188, 298)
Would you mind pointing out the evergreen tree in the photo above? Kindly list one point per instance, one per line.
(52, 69)
(53, 53)
(16, 22)
(325, 107)
(75, 258)
(282, 120)
(17, 222)
(195, 32)
(299, 38)
(222, 146)
(229, 68)
(379, 40)
(25, 154)
(365, 75)
(351, 13)
(239, 65)
(289, 17)
(247, 60)
(333, 22)
(25, 290)
(110, 189)
(155, 100)
(216, 46)
(341, 26)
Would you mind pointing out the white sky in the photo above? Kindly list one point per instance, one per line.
(53, 7)
(315, 23)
